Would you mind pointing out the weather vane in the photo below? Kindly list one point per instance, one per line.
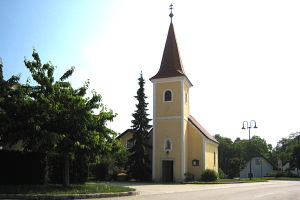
(171, 13)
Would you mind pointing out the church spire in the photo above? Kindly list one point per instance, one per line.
(171, 65)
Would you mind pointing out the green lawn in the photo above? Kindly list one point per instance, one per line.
(282, 178)
(58, 189)
(248, 180)
(231, 181)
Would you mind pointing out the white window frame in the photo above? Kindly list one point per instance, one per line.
(164, 93)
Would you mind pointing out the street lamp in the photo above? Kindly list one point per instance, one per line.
(249, 126)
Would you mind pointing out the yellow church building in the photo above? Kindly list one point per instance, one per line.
(180, 144)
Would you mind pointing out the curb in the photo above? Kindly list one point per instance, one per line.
(65, 196)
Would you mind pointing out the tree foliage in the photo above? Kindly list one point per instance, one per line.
(286, 149)
(139, 159)
(234, 155)
(52, 116)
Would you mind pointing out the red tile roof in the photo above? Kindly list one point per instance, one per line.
(201, 129)
(171, 65)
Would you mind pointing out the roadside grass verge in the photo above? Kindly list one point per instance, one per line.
(282, 178)
(264, 179)
(220, 181)
(58, 189)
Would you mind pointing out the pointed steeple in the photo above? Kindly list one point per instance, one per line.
(171, 65)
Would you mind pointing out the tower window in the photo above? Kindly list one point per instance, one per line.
(168, 145)
(168, 95)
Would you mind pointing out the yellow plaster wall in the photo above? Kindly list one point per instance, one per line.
(195, 151)
(172, 108)
(186, 105)
(168, 129)
(125, 137)
(210, 148)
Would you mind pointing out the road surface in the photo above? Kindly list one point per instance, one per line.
(272, 190)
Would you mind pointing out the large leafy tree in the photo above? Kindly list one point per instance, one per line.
(13, 108)
(60, 119)
(286, 149)
(233, 155)
(295, 161)
(139, 159)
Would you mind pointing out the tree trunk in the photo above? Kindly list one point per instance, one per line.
(66, 171)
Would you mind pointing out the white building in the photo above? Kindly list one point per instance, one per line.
(260, 167)
(294, 171)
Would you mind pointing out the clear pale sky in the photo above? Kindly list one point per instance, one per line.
(243, 57)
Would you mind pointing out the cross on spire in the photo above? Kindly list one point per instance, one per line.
(171, 13)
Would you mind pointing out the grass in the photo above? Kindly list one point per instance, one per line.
(248, 180)
(220, 181)
(282, 178)
(58, 189)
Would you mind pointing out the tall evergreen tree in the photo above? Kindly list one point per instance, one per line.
(140, 157)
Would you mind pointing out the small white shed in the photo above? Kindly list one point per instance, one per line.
(260, 167)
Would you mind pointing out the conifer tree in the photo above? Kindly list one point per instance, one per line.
(140, 158)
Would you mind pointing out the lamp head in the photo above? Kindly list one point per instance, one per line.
(243, 127)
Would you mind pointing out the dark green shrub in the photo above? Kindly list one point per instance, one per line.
(78, 169)
(189, 177)
(222, 175)
(209, 175)
(281, 174)
(22, 167)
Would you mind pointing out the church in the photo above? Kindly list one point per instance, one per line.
(180, 145)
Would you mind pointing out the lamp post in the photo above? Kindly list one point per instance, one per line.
(249, 126)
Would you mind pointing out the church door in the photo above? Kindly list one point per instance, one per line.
(167, 170)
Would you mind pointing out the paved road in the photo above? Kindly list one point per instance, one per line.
(273, 190)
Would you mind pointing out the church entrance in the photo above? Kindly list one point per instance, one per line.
(167, 170)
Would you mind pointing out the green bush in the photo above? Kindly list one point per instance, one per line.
(209, 175)
(222, 175)
(189, 177)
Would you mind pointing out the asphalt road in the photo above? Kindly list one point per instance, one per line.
(272, 190)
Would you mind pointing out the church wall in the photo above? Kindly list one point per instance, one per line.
(186, 102)
(186, 146)
(210, 149)
(173, 108)
(168, 129)
(195, 151)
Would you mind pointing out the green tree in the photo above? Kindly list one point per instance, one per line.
(60, 119)
(237, 164)
(139, 159)
(295, 161)
(13, 108)
(233, 155)
(284, 148)
(226, 152)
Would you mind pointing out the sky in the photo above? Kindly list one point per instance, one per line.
(243, 57)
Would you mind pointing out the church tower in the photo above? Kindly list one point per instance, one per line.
(170, 109)
(180, 144)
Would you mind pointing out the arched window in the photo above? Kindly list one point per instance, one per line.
(168, 95)
(168, 145)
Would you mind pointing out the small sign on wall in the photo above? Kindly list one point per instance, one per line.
(195, 162)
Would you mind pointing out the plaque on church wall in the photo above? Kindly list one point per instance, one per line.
(195, 162)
